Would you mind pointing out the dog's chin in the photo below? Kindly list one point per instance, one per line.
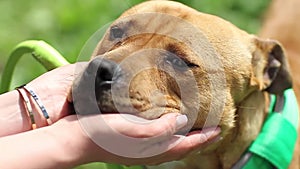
(210, 133)
(151, 114)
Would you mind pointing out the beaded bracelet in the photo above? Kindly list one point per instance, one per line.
(37, 100)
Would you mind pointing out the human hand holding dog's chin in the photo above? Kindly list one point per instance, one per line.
(150, 142)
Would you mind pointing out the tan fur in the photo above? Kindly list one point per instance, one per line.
(281, 23)
(243, 58)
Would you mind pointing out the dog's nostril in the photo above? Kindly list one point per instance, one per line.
(107, 72)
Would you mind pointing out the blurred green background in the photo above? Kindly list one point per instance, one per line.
(67, 24)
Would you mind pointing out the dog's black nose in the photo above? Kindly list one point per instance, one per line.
(108, 72)
(97, 79)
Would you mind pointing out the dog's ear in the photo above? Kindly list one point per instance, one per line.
(270, 66)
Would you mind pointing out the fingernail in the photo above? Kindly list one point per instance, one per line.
(181, 121)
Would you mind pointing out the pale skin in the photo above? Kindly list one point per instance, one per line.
(64, 144)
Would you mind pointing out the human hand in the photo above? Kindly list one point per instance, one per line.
(147, 142)
(54, 88)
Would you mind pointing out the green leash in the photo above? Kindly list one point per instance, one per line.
(40, 50)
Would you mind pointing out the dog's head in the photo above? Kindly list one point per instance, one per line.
(162, 57)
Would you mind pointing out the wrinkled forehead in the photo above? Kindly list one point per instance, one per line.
(162, 24)
(209, 37)
(176, 21)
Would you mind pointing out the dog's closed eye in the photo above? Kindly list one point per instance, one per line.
(178, 63)
(177, 58)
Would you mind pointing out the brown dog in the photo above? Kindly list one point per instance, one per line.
(162, 57)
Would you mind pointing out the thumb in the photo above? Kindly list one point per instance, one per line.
(137, 127)
(167, 124)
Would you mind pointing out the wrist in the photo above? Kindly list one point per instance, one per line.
(35, 109)
(48, 147)
(54, 101)
(14, 118)
(76, 145)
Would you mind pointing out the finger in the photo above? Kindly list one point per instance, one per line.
(198, 140)
(179, 146)
(102, 130)
(160, 136)
(128, 135)
(165, 126)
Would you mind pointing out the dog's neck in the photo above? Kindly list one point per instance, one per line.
(251, 114)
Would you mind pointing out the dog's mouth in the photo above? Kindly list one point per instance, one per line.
(141, 109)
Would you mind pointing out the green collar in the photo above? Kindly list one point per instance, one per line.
(275, 144)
